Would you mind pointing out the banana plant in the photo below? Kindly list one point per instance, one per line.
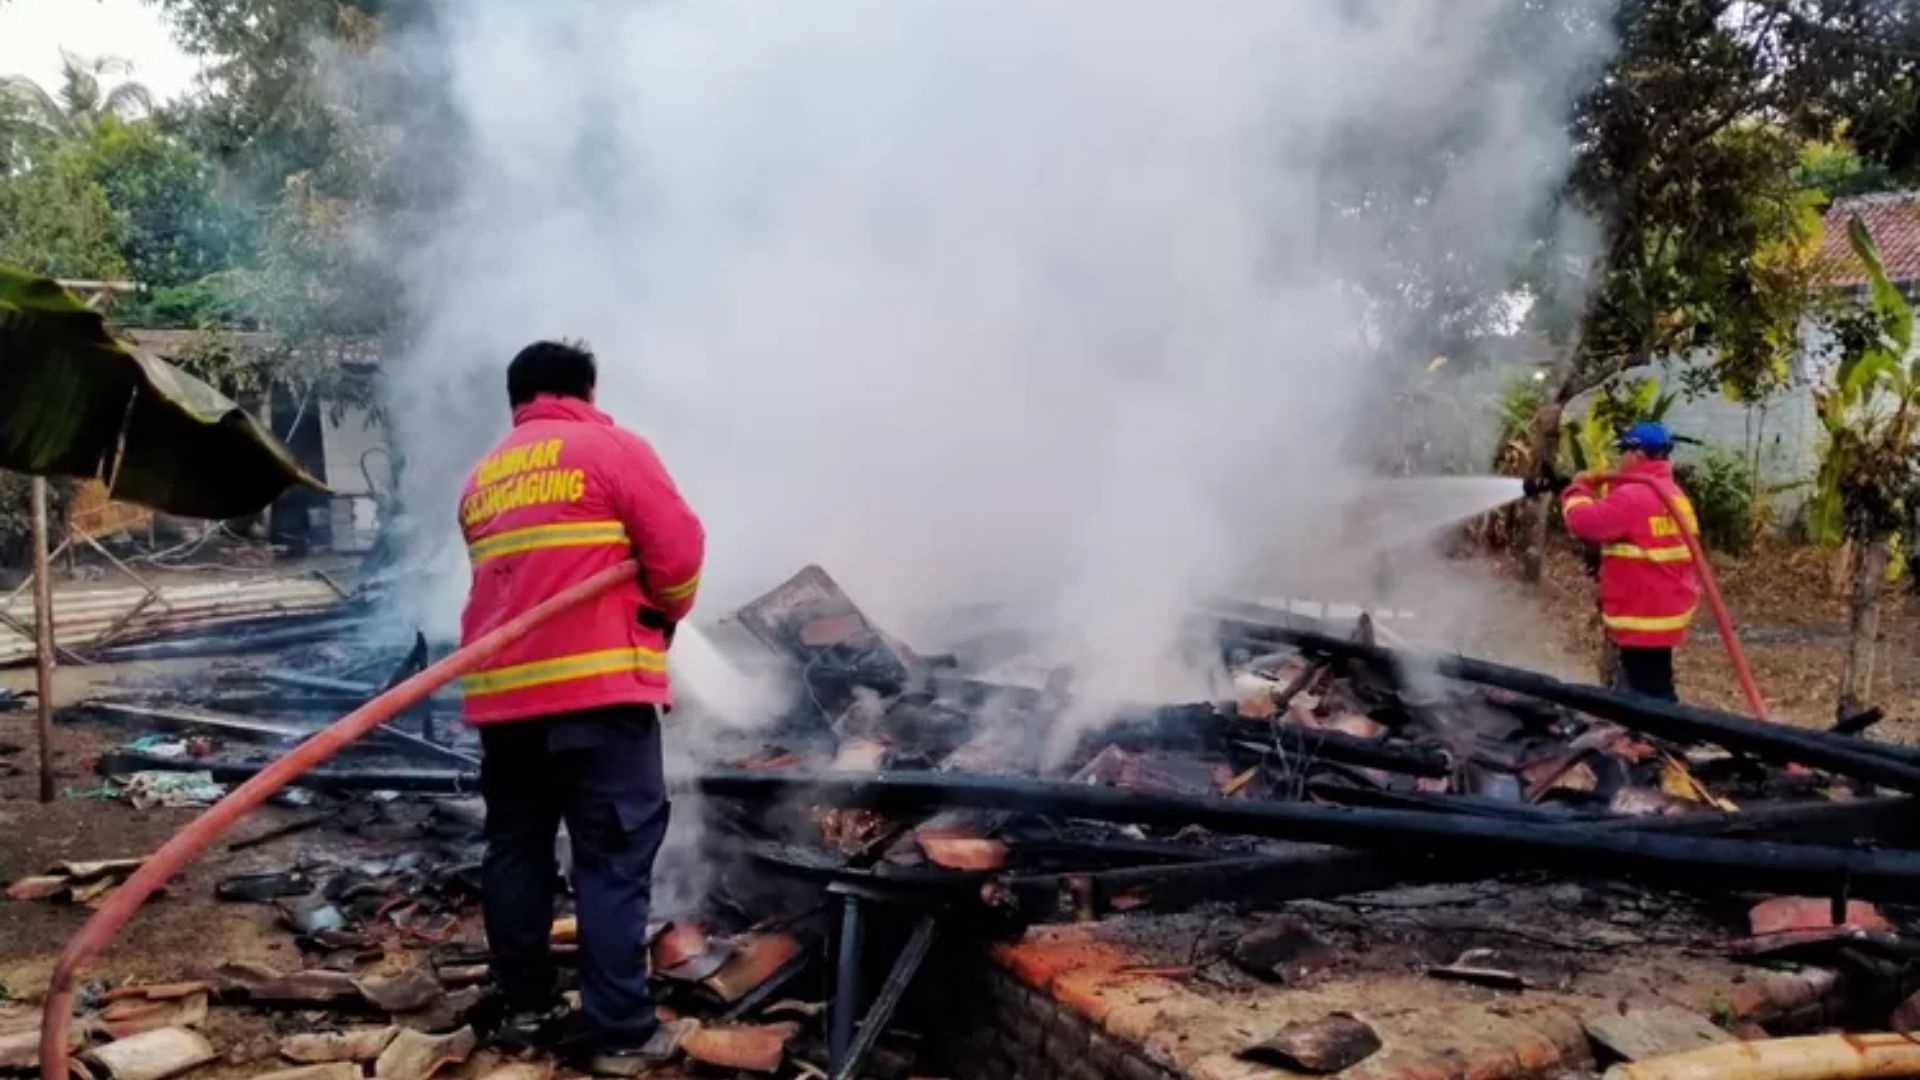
(75, 401)
(1589, 440)
(1869, 470)
(1868, 413)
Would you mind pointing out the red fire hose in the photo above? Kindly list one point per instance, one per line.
(57, 1016)
(1708, 586)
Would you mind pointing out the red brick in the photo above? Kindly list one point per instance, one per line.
(1539, 1057)
(1038, 963)
(1084, 993)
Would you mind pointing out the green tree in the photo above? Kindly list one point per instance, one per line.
(56, 220)
(175, 228)
(84, 98)
(1707, 236)
(1869, 473)
(307, 119)
(120, 199)
(21, 133)
(1852, 67)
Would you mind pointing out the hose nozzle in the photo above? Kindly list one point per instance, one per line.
(1546, 483)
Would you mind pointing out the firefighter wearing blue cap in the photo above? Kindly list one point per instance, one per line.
(1648, 586)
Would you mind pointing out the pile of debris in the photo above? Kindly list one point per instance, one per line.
(932, 798)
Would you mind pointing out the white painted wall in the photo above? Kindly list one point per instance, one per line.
(356, 437)
(343, 445)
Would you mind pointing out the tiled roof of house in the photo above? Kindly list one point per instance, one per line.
(1892, 219)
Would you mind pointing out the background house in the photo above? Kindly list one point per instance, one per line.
(1783, 435)
(335, 434)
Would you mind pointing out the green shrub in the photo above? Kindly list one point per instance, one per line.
(1520, 396)
(1721, 484)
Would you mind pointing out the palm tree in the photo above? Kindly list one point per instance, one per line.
(83, 98)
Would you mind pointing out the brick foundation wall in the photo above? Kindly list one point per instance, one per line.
(1063, 1004)
(1002, 1030)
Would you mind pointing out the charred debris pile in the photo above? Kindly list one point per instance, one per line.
(894, 766)
(901, 805)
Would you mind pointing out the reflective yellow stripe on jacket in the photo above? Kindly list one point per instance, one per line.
(562, 669)
(1676, 553)
(559, 534)
(681, 591)
(1653, 623)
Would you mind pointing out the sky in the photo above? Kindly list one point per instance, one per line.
(33, 32)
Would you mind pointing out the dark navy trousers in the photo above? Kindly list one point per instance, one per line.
(600, 771)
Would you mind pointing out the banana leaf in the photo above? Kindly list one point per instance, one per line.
(75, 401)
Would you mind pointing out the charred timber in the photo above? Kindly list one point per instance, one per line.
(1343, 794)
(819, 867)
(1247, 881)
(1568, 848)
(1309, 745)
(1889, 820)
(1892, 820)
(1324, 872)
(1858, 723)
(1843, 754)
(120, 763)
(1208, 725)
(1111, 852)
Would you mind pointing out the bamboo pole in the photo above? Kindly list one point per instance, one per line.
(1872, 1056)
(43, 647)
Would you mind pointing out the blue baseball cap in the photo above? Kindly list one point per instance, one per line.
(1646, 435)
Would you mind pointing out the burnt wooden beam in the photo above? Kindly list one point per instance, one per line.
(1582, 849)
(1343, 794)
(1287, 740)
(120, 763)
(1320, 872)
(1207, 725)
(1248, 880)
(1109, 852)
(1857, 723)
(1890, 820)
(1842, 754)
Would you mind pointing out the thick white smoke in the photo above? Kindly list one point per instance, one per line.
(1039, 303)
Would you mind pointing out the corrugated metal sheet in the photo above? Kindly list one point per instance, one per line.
(89, 617)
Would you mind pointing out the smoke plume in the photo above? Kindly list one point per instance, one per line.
(1070, 307)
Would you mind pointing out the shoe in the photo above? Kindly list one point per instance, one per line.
(519, 1030)
(628, 1055)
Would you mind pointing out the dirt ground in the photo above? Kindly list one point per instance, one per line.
(1792, 623)
(182, 927)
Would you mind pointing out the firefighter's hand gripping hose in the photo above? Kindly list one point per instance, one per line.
(1721, 620)
(57, 1016)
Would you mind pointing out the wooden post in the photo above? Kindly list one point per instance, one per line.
(43, 634)
(1863, 624)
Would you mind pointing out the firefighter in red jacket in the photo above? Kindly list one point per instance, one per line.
(569, 716)
(1648, 587)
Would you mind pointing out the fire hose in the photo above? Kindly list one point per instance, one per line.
(1709, 588)
(57, 1016)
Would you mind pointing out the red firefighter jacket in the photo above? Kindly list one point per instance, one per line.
(1648, 588)
(565, 495)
